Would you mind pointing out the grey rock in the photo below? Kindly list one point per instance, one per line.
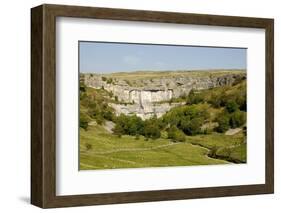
(144, 95)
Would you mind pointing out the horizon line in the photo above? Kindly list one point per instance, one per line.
(176, 70)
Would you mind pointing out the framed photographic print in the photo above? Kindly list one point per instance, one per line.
(136, 106)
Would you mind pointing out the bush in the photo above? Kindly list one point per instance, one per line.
(137, 137)
(191, 126)
(215, 100)
(175, 134)
(194, 98)
(83, 121)
(135, 125)
(237, 119)
(242, 102)
(103, 78)
(231, 106)
(108, 115)
(118, 130)
(99, 119)
(223, 123)
(152, 131)
(88, 146)
(128, 125)
(82, 87)
(109, 81)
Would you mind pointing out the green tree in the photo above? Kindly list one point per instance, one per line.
(194, 97)
(118, 130)
(231, 106)
(223, 122)
(237, 119)
(152, 131)
(83, 121)
(175, 134)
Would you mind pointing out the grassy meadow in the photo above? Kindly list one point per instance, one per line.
(100, 150)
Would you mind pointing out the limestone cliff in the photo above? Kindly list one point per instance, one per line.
(143, 96)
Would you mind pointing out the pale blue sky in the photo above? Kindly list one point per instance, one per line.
(99, 57)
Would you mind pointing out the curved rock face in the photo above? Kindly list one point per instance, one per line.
(144, 111)
(142, 96)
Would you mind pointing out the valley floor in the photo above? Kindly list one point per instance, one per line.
(101, 150)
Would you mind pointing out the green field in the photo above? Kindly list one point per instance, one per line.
(101, 150)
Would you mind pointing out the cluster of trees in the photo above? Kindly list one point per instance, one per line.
(226, 96)
(188, 118)
(133, 125)
(178, 122)
(228, 120)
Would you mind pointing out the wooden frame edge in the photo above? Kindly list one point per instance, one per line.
(43, 174)
(36, 106)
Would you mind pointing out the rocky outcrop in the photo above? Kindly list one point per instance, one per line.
(143, 97)
(144, 111)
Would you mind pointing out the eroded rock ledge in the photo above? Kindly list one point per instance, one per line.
(147, 97)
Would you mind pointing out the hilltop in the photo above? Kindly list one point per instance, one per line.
(148, 75)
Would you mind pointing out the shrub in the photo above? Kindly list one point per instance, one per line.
(179, 136)
(99, 119)
(223, 123)
(118, 130)
(194, 98)
(175, 134)
(171, 132)
(215, 100)
(129, 125)
(103, 78)
(88, 146)
(108, 114)
(237, 119)
(231, 106)
(135, 125)
(109, 81)
(82, 87)
(152, 131)
(242, 101)
(83, 121)
(194, 126)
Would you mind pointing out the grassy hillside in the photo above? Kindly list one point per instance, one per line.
(100, 150)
